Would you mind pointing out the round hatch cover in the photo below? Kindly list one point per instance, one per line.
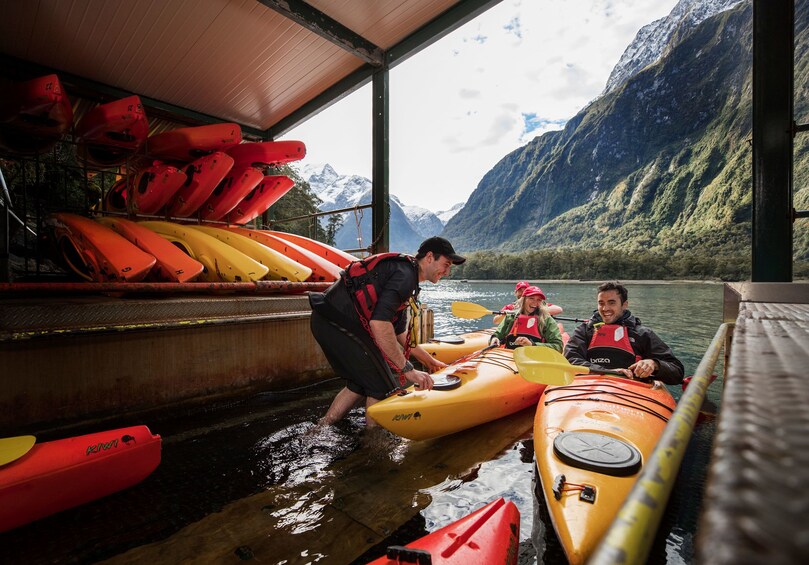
(597, 452)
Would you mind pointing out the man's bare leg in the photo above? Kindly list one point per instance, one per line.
(340, 406)
(370, 422)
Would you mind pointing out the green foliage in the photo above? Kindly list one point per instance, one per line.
(598, 264)
(299, 201)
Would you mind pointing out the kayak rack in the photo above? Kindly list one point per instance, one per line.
(630, 537)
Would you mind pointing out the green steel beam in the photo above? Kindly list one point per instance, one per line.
(319, 23)
(86, 88)
(380, 191)
(461, 13)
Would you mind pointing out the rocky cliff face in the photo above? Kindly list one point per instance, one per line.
(661, 161)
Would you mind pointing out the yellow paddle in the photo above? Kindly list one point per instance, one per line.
(544, 365)
(12, 448)
(472, 311)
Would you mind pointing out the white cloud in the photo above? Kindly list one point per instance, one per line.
(458, 107)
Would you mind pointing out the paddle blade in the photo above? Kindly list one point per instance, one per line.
(12, 448)
(470, 310)
(544, 365)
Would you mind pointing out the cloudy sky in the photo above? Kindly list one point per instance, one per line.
(522, 68)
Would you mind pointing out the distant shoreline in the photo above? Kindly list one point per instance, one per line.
(586, 281)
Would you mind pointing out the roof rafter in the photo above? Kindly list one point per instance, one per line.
(319, 23)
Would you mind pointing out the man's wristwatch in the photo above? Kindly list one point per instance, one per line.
(406, 368)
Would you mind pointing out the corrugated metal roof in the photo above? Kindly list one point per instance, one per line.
(235, 60)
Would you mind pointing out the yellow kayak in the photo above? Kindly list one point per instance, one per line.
(591, 439)
(222, 262)
(450, 350)
(281, 268)
(489, 388)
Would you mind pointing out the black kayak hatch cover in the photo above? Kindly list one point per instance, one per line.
(597, 452)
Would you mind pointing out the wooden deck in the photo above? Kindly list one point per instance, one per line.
(757, 498)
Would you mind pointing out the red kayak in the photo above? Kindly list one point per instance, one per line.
(267, 192)
(234, 187)
(322, 270)
(486, 536)
(111, 133)
(95, 252)
(34, 115)
(202, 177)
(154, 186)
(332, 254)
(188, 144)
(57, 475)
(115, 199)
(272, 153)
(171, 265)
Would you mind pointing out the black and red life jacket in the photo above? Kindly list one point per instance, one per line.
(611, 347)
(525, 326)
(362, 282)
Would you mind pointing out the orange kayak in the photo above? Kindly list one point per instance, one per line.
(95, 252)
(336, 256)
(172, 264)
(34, 115)
(234, 187)
(453, 348)
(265, 194)
(57, 475)
(486, 536)
(154, 186)
(272, 153)
(202, 176)
(188, 144)
(591, 440)
(111, 133)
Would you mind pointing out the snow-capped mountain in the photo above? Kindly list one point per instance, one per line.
(409, 225)
(445, 215)
(651, 42)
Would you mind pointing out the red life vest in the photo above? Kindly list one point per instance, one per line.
(525, 326)
(361, 281)
(611, 348)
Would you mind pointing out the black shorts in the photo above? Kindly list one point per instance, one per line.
(352, 354)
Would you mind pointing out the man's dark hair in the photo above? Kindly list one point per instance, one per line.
(616, 286)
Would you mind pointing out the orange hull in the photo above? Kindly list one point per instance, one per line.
(202, 177)
(154, 186)
(332, 254)
(596, 432)
(95, 252)
(258, 200)
(188, 144)
(267, 153)
(234, 187)
(34, 115)
(58, 475)
(171, 263)
(111, 133)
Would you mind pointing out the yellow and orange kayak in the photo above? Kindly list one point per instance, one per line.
(452, 348)
(489, 389)
(336, 256)
(95, 252)
(591, 439)
(172, 263)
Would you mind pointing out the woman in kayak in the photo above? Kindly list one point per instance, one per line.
(530, 324)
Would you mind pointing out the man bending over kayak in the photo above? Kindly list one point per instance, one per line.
(361, 323)
(616, 340)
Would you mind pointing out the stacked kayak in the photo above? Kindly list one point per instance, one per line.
(489, 388)
(57, 475)
(111, 133)
(331, 254)
(34, 115)
(486, 536)
(591, 439)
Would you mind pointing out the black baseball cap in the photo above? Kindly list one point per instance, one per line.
(440, 246)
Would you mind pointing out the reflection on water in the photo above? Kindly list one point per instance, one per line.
(259, 480)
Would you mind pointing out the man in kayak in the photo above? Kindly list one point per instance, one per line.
(531, 324)
(615, 340)
(361, 323)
